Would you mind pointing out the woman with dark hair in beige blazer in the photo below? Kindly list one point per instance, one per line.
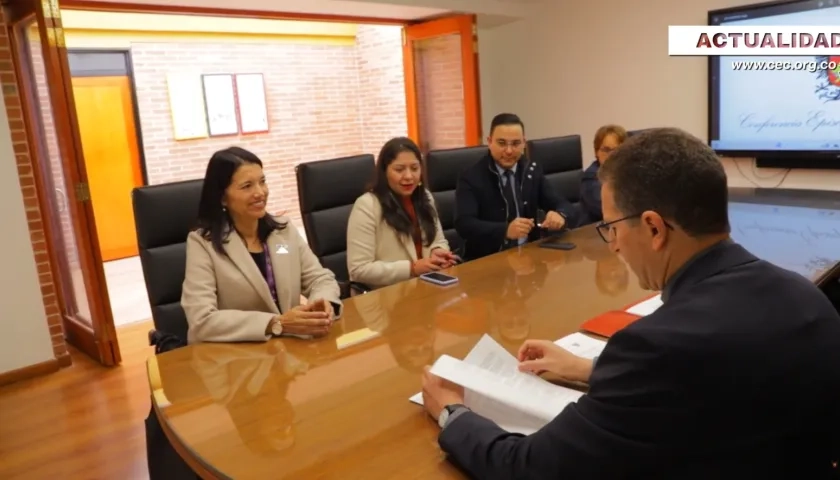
(246, 270)
(394, 232)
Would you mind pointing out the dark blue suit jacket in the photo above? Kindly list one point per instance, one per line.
(481, 210)
(736, 376)
(590, 194)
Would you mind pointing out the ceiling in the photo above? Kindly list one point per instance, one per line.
(319, 7)
(385, 9)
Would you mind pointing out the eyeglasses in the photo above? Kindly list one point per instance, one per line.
(607, 231)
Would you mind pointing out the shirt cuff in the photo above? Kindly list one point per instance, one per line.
(457, 413)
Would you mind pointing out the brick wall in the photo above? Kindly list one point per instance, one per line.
(324, 101)
(27, 172)
(440, 92)
(381, 85)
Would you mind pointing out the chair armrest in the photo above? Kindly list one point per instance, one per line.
(359, 288)
(349, 289)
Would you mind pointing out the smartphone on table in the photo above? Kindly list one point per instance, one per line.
(439, 278)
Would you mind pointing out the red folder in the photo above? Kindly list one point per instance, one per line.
(606, 324)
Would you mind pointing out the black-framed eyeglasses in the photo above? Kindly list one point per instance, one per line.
(605, 229)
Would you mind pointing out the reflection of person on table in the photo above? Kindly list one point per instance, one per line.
(611, 274)
(394, 232)
(409, 331)
(245, 268)
(251, 383)
(526, 277)
(734, 376)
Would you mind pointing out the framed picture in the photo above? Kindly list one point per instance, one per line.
(220, 102)
(186, 106)
(253, 109)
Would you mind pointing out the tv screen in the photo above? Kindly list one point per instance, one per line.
(785, 107)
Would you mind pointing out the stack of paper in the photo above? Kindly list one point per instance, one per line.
(646, 307)
(496, 389)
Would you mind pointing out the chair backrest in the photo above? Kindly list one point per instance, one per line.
(562, 161)
(163, 217)
(443, 167)
(327, 190)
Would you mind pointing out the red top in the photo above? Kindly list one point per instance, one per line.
(415, 232)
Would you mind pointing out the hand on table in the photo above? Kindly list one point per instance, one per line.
(519, 228)
(553, 221)
(310, 319)
(438, 393)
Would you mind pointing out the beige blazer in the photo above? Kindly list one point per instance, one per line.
(228, 300)
(377, 255)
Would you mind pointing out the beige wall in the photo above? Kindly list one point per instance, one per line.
(25, 338)
(572, 66)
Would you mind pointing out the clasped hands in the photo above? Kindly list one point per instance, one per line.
(521, 227)
(439, 259)
(315, 319)
(535, 356)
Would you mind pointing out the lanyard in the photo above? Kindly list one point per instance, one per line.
(269, 274)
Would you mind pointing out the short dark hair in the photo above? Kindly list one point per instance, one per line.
(505, 119)
(214, 222)
(673, 173)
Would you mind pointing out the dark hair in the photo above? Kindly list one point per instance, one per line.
(392, 210)
(214, 222)
(673, 173)
(505, 119)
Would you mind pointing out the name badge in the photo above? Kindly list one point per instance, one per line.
(282, 250)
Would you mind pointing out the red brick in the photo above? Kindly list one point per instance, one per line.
(11, 98)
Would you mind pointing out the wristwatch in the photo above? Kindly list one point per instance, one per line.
(447, 411)
(277, 328)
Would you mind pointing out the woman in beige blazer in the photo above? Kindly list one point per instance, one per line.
(246, 270)
(394, 232)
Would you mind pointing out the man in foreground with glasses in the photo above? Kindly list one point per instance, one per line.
(736, 375)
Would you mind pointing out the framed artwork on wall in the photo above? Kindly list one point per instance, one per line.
(186, 106)
(220, 102)
(253, 108)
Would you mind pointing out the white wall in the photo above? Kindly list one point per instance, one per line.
(572, 66)
(24, 335)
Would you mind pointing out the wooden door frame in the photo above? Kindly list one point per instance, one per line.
(100, 336)
(59, 269)
(465, 27)
(129, 69)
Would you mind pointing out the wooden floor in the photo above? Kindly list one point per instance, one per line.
(84, 421)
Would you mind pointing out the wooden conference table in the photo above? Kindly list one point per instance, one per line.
(338, 407)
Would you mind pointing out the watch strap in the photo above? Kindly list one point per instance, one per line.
(455, 410)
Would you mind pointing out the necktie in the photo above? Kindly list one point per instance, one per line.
(510, 196)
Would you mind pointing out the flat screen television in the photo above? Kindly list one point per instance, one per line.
(782, 117)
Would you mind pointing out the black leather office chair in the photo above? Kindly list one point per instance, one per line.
(327, 190)
(443, 167)
(562, 161)
(163, 216)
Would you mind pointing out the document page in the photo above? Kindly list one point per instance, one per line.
(519, 402)
(646, 307)
(582, 345)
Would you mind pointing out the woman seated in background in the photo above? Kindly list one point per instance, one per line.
(394, 232)
(246, 270)
(607, 139)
